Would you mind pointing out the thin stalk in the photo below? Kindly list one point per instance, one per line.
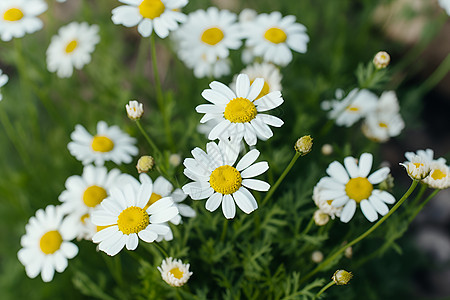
(308, 227)
(416, 212)
(423, 188)
(330, 284)
(437, 76)
(285, 172)
(161, 249)
(159, 93)
(362, 236)
(149, 140)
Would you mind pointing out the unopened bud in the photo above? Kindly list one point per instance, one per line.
(321, 218)
(327, 149)
(381, 60)
(317, 256)
(145, 164)
(342, 277)
(348, 252)
(304, 145)
(175, 159)
(135, 110)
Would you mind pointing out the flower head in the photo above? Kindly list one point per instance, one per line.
(321, 218)
(439, 177)
(110, 143)
(418, 168)
(272, 37)
(162, 16)
(135, 110)
(381, 60)
(18, 17)
(216, 178)
(350, 185)
(145, 164)
(304, 145)
(342, 277)
(72, 48)
(174, 272)
(125, 216)
(46, 245)
(239, 114)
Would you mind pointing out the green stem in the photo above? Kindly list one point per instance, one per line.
(362, 236)
(308, 227)
(149, 140)
(416, 212)
(224, 230)
(330, 284)
(161, 249)
(436, 77)
(160, 95)
(285, 172)
(423, 188)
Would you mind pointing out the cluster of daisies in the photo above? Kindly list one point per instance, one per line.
(107, 207)
(350, 185)
(380, 115)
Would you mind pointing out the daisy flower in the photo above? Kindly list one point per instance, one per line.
(207, 36)
(269, 72)
(162, 188)
(240, 114)
(348, 186)
(272, 37)
(110, 143)
(174, 272)
(18, 17)
(417, 167)
(46, 245)
(439, 177)
(215, 178)
(72, 47)
(3, 81)
(125, 218)
(84, 193)
(357, 105)
(162, 16)
(420, 161)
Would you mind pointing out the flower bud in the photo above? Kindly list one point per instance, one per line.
(317, 256)
(417, 168)
(175, 159)
(348, 252)
(321, 218)
(327, 149)
(145, 164)
(342, 277)
(304, 145)
(135, 110)
(381, 60)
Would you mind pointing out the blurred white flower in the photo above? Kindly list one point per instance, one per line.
(135, 110)
(18, 17)
(72, 48)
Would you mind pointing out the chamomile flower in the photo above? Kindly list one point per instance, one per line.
(162, 188)
(206, 38)
(72, 48)
(174, 272)
(126, 219)
(161, 16)
(18, 17)
(439, 177)
(84, 193)
(267, 71)
(355, 106)
(445, 4)
(46, 245)
(417, 167)
(215, 178)
(422, 161)
(110, 143)
(350, 185)
(240, 115)
(3, 81)
(426, 155)
(272, 37)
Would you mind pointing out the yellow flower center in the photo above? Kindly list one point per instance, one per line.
(212, 36)
(50, 242)
(100, 228)
(358, 189)
(132, 220)
(71, 46)
(177, 273)
(83, 218)
(265, 90)
(240, 110)
(352, 108)
(13, 14)
(102, 144)
(94, 195)
(225, 180)
(438, 174)
(153, 198)
(418, 165)
(382, 125)
(151, 9)
(275, 35)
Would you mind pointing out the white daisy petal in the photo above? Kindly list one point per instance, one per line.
(338, 172)
(247, 159)
(352, 168)
(348, 211)
(340, 201)
(147, 235)
(243, 202)
(379, 205)
(228, 207)
(214, 201)
(368, 210)
(132, 241)
(379, 175)
(255, 170)
(384, 196)
(365, 164)
(255, 184)
(242, 86)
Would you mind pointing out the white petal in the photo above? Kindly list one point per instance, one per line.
(228, 207)
(164, 216)
(147, 235)
(161, 229)
(340, 201)
(379, 175)
(132, 241)
(365, 164)
(105, 234)
(255, 184)
(214, 201)
(348, 211)
(145, 27)
(186, 211)
(255, 170)
(247, 159)
(379, 205)
(384, 196)
(243, 202)
(70, 250)
(255, 89)
(352, 168)
(337, 171)
(160, 205)
(368, 210)
(242, 85)
(198, 190)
